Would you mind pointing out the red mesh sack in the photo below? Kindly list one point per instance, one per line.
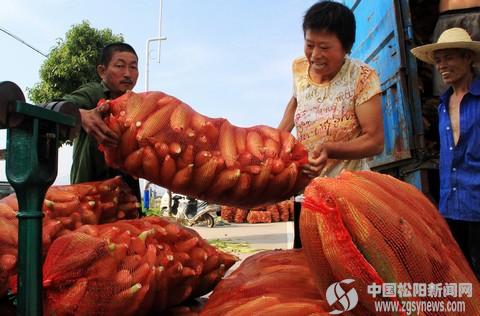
(273, 209)
(228, 213)
(165, 141)
(9, 240)
(11, 201)
(8, 245)
(4, 276)
(66, 208)
(255, 217)
(86, 203)
(8, 229)
(240, 216)
(284, 211)
(375, 229)
(277, 282)
(130, 267)
(91, 203)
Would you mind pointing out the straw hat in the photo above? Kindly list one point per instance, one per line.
(452, 38)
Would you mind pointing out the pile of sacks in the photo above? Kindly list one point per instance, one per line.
(121, 267)
(276, 212)
(368, 240)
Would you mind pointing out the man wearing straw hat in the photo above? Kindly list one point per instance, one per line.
(455, 13)
(454, 56)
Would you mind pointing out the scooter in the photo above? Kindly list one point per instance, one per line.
(191, 211)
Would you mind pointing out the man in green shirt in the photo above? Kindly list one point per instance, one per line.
(118, 70)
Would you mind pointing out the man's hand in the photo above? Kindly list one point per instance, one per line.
(93, 124)
(316, 161)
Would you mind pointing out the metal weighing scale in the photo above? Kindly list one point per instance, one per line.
(34, 134)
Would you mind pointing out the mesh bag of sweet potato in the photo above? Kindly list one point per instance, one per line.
(66, 208)
(130, 267)
(275, 282)
(126, 267)
(165, 141)
(378, 230)
(8, 245)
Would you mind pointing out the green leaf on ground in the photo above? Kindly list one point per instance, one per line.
(232, 246)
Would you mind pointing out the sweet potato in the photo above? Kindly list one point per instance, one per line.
(179, 142)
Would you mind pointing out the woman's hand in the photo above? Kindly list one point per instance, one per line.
(316, 161)
(92, 123)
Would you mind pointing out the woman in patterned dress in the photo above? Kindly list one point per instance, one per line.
(336, 104)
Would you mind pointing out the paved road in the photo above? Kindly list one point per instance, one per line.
(258, 236)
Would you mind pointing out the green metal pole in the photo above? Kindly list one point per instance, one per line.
(30, 251)
(32, 158)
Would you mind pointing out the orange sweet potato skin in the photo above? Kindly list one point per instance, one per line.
(247, 167)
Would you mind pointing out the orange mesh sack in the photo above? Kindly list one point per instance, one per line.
(378, 230)
(9, 240)
(86, 203)
(283, 211)
(66, 208)
(228, 213)
(91, 203)
(4, 275)
(276, 282)
(240, 215)
(273, 210)
(8, 245)
(255, 217)
(165, 141)
(129, 267)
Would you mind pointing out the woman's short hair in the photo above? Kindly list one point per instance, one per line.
(332, 17)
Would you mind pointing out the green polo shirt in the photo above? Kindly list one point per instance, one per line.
(88, 162)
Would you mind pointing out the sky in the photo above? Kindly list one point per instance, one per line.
(225, 58)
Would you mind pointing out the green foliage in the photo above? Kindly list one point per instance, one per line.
(231, 246)
(152, 212)
(72, 62)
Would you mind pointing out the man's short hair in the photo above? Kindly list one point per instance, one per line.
(332, 17)
(110, 49)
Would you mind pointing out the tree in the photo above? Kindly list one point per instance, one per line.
(72, 62)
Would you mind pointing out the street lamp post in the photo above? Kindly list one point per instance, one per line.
(158, 39)
(147, 62)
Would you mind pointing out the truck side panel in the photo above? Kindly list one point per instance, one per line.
(378, 44)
